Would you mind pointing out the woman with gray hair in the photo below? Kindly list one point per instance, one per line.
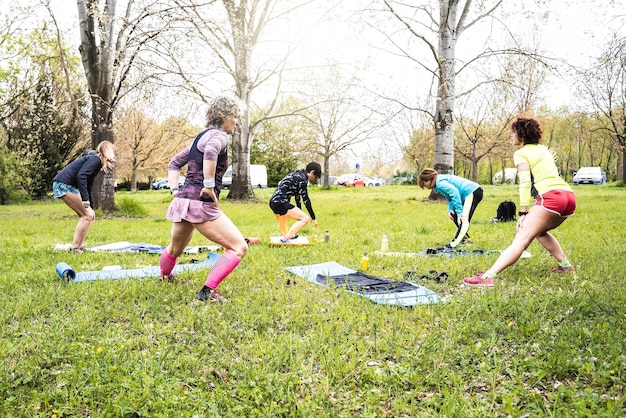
(196, 205)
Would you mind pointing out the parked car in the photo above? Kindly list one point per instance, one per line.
(356, 182)
(374, 181)
(589, 175)
(165, 184)
(258, 177)
(350, 179)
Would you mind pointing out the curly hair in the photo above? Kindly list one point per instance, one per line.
(221, 108)
(527, 129)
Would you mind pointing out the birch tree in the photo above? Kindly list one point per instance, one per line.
(447, 24)
(229, 32)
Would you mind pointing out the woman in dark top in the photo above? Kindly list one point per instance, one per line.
(196, 205)
(74, 186)
(294, 185)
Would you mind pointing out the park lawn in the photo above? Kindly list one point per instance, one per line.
(532, 346)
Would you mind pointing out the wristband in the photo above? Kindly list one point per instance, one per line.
(175, 189)
(86, 204)
(522, 213)
(209, 183)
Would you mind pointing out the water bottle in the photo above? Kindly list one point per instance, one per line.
(365, 262)
(326, 236)
(384, 244)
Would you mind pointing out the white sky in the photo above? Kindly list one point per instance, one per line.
(574, 32)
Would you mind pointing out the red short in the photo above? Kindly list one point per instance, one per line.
(561, 202)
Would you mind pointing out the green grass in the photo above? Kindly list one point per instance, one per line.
(532, 346)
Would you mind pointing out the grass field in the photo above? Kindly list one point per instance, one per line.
(532, 346)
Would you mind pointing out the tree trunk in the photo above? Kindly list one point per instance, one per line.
(104, 185)
(622, 164)
(444, 112)
(240, 188)
(98, 65)
(325, 169)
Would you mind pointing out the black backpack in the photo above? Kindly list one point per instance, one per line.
(506, 212)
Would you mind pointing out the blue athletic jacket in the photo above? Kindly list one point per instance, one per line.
(455, 189)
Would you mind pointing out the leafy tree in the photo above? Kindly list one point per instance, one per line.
(13, 178)
(604, 87)
(419, 150)
(281, 142)
(40, 138)
(144, 145)
(41, 126)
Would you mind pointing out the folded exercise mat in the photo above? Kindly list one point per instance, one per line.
(377, 289)
(292, 242)
(128, 247)
(443, 252)
(68, 274)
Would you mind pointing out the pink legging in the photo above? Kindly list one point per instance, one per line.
(222, 268)
(167, 263)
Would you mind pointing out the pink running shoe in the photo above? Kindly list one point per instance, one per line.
(479, 280)
(559, 269)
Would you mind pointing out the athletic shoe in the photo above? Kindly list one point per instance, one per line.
(210, 295)
(76, 250)
(479, 280)
(560, 269)
(285, 240)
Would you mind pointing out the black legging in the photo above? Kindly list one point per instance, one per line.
(463, 227)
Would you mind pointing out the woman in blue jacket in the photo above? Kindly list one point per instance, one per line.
(74, 185)
(463, 196)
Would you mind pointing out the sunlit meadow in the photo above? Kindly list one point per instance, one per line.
(532, 346)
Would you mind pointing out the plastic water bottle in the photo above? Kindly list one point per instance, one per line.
(326, 236)
(365, 262)
(384, 244)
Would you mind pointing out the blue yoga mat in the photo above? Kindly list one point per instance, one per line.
(68, 274)
(418, 295)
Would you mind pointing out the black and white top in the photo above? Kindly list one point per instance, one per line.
(294, 185)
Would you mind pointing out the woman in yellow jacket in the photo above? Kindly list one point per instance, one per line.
(553, 198)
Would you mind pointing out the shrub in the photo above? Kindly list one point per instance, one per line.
(130, 207)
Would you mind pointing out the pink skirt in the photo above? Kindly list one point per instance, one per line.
(192, 211)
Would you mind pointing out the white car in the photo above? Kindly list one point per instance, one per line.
(589, 175)
(374, 181)
(258, 177)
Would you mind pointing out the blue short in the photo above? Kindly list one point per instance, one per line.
(61, 189)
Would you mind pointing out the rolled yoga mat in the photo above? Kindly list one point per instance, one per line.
(68, 274)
